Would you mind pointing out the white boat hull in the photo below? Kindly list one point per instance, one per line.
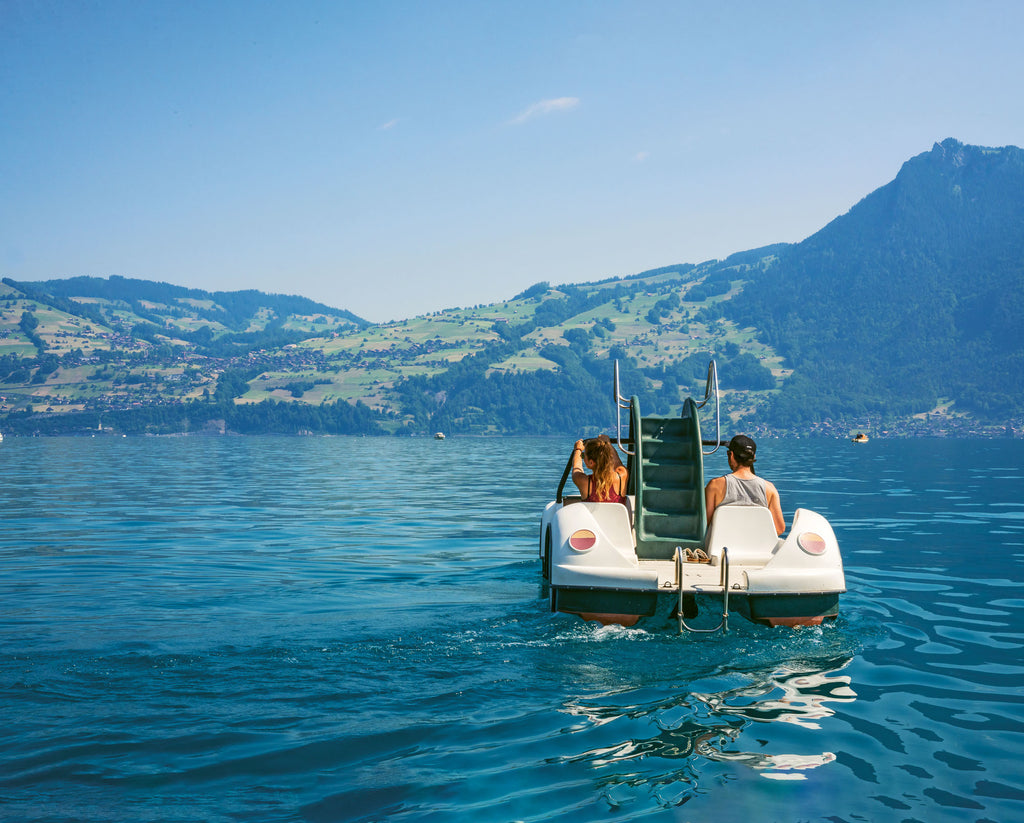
(792, 581)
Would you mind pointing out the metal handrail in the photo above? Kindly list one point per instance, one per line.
(724, 624)
(711, 390)
(620, 404)
(565, 476)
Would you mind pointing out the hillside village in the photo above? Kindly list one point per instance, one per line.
(55, 362)
(66, 365)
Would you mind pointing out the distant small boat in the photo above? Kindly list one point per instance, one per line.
(860, 438)
(439, 436)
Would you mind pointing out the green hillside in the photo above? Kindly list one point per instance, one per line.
(899, 316)
(146, 357)
(75, 353)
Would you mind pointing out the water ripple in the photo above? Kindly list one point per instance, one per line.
(341, 629)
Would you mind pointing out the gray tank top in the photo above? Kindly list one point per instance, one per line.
(752, 492)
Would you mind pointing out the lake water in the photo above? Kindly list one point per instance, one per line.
(343, 629)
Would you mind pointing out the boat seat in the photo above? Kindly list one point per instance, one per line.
(630, 504)
(614, 520)
(748, 532)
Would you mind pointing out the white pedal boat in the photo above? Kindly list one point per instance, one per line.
(626, 564)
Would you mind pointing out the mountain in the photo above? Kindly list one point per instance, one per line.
(160, 303)
(899, 316)
(912, 298)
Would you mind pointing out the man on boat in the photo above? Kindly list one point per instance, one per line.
(743, 487)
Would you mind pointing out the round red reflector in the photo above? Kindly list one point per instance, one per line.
(812, 543)
(582, 539)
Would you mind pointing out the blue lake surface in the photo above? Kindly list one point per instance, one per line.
(354, 629)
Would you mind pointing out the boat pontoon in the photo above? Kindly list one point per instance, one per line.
(656, 560)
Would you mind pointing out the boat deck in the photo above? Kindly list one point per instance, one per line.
(696, 576)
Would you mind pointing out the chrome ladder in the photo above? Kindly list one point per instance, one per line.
(680, 573)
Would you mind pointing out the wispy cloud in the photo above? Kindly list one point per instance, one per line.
(545, 107)
(389, 125)
(641, 156)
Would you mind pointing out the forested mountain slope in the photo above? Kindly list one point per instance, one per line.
(913, 297)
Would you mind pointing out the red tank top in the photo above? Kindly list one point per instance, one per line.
(613, 491)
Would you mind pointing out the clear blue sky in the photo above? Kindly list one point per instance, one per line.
(395, 158)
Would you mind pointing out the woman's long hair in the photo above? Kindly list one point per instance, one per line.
(602, 453)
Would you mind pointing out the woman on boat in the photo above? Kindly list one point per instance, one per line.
(743, 487)
(608, 479)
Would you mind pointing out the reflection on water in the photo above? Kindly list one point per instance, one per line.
(791, 695)
(713, 726)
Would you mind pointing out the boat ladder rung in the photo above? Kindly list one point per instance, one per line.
(723, 586)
